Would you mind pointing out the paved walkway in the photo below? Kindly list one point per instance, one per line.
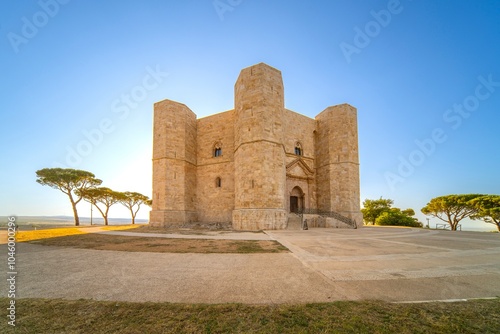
(400, 264)
(390, 264)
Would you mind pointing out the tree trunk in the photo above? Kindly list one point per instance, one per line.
(75, 213)
(105, 216)
(132, 214)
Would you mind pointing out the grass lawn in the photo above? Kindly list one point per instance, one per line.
(87, 316)
(161, 245)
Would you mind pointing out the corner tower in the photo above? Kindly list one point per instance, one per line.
(337, 161)
(174, 164)
(259, 156)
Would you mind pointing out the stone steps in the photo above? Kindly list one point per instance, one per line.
(294, 222)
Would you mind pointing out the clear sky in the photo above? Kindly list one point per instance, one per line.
(79, 79)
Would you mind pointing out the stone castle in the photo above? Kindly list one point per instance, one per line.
(256, 163)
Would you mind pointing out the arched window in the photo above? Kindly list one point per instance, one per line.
(298, 148)
(218, 182)
(217, 149)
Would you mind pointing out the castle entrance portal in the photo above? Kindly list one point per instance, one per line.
(294, 204)
(296, 199)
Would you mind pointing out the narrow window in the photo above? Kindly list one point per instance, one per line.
(298, 149)
(217, 150)
(218, 182)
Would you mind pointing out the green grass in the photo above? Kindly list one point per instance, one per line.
(87, 316)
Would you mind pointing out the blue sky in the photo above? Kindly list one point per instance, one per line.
(80, 79)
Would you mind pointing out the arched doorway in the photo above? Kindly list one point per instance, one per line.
(296, 199)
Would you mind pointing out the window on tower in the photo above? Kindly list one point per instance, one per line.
(217, 150)
(298, 148)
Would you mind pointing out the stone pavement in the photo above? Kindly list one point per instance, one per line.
(401, 264)
(392, 264)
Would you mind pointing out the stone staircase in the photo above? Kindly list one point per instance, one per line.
(294, 222)
(329, 219)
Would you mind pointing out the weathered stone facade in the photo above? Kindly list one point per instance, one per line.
(253, 164)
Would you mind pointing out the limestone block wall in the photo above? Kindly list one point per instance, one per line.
(215, 200)
(259, 219)
(322, 164)
(299, 128)
(174, 164)
(337, 161)
(262, 187)
(259, 157)
(259, 105)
